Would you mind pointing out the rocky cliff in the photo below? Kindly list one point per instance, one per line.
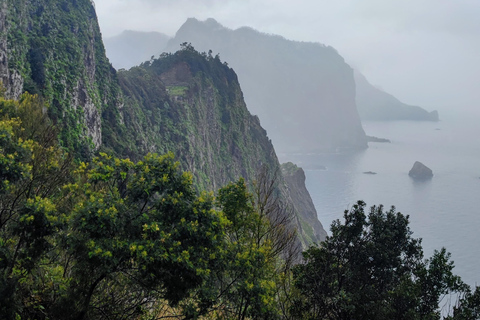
(187, 103)
(54, 48)
(192, 104)
(295, 180)
(303, 93)
(375, 104)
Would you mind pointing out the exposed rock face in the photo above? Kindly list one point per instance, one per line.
(303, 93)
(130, 48)
(55, 50)
(420, 171)
(11, 79)
(375, 104)
(308, 222)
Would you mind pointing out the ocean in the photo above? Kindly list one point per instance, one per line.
(444, 211)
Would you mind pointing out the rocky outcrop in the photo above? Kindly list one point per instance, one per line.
(303, 93)
(308, 224)
(375, 104)
(420, 171)
(11, 80)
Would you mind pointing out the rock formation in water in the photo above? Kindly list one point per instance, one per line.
(375, 104)
(303, 93)
(130, 48)
(420, 171)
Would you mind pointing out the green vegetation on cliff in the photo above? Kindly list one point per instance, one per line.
(119, 239)
(191, 104)
(56, 48)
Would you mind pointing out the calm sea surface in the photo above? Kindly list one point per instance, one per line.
(444, 211)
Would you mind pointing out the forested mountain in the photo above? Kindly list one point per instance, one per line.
(130, 48)
(186, 103)
(94, 224)
(375, 104)
(303, 93)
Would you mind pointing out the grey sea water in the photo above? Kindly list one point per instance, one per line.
(444, 211)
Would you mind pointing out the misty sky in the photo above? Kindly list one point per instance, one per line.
(425, 52)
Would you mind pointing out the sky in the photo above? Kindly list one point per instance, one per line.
(424, 52)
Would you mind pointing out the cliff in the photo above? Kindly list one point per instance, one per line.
(54, 48)
(375, 104)
(130, 48)
(192, 104)
(187, 103)
(309, 225)
(303, 93)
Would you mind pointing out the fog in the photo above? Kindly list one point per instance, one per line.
(423, 52)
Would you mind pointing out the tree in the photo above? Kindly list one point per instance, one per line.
(372, 268)
(137, 234)
(468, 307)
(260, 249)
(32, 170)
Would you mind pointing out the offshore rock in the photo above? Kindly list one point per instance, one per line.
(420, 171)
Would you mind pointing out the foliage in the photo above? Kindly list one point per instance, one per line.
(57, 49)
(468, 308)
(32, 170)
(371, 268)
(190, 103)
(117, 239)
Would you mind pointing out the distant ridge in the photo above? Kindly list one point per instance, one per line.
(130, 48)
(375, 104)
(303, 93)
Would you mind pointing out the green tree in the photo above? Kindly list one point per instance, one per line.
(32, 170)
(138, 227)
(468, 307)
(372, 268)
(260, 246)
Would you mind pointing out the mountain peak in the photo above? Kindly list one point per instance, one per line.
(194, 24)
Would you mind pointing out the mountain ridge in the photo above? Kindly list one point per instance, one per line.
(378, 105)
(306, 105)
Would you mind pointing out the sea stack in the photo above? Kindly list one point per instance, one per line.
(420, 171)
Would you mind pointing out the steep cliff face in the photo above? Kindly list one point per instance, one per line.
(308, 223)
(303, 93)
(375, 104)
(187, 103)
(192, 105)
(11, 79)
(54, 48)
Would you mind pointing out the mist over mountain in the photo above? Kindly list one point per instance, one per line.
(130, 48)
(375, 104)
(303, 93)
(185, 103)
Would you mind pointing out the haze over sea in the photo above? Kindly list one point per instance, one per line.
(444, 211)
